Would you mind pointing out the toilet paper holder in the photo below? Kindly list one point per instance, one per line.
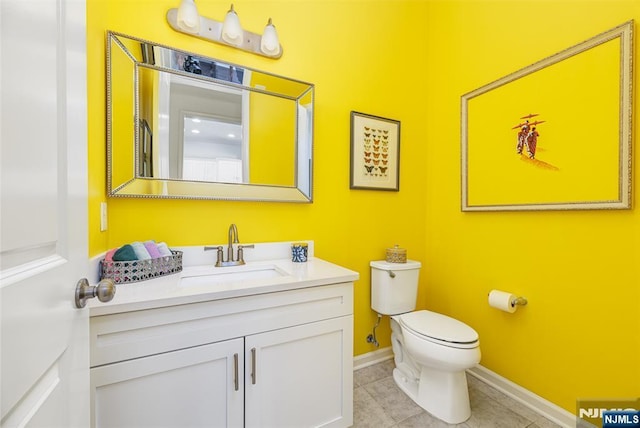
(506, 301)
(518, 301)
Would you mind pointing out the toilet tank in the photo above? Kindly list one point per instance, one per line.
(394, 286)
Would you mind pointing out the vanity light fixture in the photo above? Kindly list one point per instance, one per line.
(231, 28)
(186, 19)
(269, 43)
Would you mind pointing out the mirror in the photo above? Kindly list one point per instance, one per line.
(182, 125)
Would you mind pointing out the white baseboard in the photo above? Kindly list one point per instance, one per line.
(371, 358)
(536, 403)
(527, 398)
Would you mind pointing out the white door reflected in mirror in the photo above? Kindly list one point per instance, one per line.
(212, 150)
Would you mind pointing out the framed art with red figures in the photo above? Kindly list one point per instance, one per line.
(555, 135)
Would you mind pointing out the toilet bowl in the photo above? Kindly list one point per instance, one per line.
(441, 387)
(431, 351)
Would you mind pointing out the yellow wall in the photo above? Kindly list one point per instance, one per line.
(411, 61)
(349, 227)
(272, 140)
(580, 334)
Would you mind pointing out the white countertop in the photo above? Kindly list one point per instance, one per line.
(168, 291)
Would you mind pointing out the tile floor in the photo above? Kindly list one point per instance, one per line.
(379, 403)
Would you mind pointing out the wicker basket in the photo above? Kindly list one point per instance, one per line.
(141, 270)
(396, 255)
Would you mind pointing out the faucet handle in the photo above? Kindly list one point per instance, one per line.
(219, 255)
(241, 253)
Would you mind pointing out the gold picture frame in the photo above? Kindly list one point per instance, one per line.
(375, 152)
(555, 135)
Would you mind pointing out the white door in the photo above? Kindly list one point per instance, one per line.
(43, 213)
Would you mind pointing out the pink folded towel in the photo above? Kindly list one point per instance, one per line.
(109, 256)
(152, 248)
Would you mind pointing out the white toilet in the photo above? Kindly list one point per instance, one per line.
(431, 350)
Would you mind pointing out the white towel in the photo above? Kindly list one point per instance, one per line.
(140, 250)
(164, 250)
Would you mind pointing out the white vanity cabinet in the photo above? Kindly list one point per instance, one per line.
(185, 388)
(300, 376)
(280, 359)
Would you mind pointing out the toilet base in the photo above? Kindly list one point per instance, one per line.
(445, 395)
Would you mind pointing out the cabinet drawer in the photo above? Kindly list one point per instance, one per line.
(120, 337)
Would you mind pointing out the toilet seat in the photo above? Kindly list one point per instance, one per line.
(440, 329)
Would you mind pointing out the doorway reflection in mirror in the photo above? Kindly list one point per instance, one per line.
(212, 150)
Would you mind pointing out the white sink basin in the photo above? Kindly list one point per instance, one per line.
(203, 276)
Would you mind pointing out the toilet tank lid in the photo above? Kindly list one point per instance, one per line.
(385, 265)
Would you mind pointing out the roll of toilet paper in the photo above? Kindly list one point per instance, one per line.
(502, 300)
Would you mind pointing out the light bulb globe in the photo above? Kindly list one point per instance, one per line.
(231, 29)
(269, 43)
(188, 18)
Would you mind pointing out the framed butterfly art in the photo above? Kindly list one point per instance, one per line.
(375, 152)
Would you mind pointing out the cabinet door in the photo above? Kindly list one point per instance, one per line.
(300, 376)
(195, 387)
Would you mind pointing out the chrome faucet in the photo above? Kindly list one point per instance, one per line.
(233, 239)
